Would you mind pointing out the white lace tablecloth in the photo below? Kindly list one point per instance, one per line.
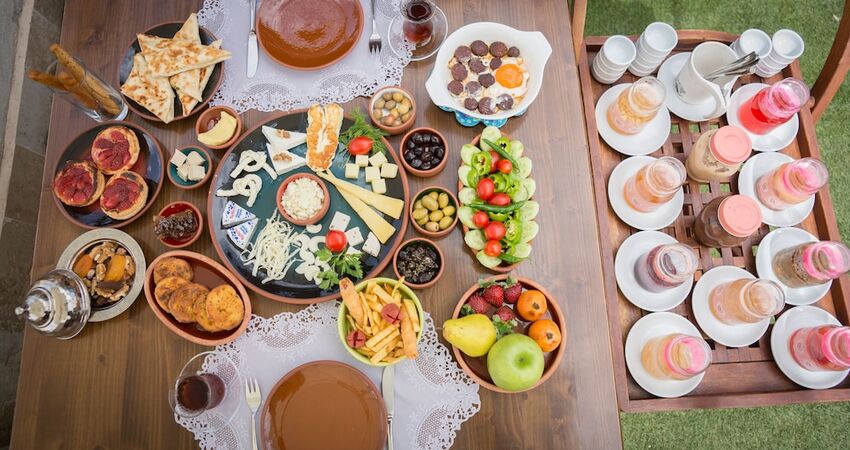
(433, 396)
(274, 87)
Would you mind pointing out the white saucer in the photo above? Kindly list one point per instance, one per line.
(624, 267)
(789, 322)
(740, 335)
(648, 327)
(770, 245)
(778, 138)
(752, 170)
(648, 140)
(667, 73)
(655, 220)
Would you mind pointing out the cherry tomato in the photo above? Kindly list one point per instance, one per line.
(499, 199)
(485, 188)
(361, 145)
(493, 248)
(481, 219)
(335, 241)
(505, 166)
(494, 231)
(494, 158)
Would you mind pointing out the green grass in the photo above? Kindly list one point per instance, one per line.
(821, 426)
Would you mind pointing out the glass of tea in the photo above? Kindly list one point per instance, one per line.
(203, 384)
(418, 21)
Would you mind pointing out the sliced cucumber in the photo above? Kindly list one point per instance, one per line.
(466, 153)
(463, 174)
(475, 239)
(520, 194)
(521, 250)
(465, 213)
(491, 134)
(467, 195)
(524, 167)
(529, 230)
(528, 211)
(516, 149)
(530, 185)
(487, 261)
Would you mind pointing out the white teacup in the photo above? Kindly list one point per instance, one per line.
(657, 40)
(618, 51)
(753, 40)
(693, 88)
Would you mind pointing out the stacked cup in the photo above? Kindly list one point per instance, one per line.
(786, 47)
(613, 59)
(753, 40)
(655, 43)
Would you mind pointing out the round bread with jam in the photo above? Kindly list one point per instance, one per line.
(124, 195)
(78, 184)
(115, 149)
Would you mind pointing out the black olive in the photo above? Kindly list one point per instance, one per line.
(439, 152)
(416, 163)
(435, 139)
(426, 138)
(409, 156)
(417, 138)
(410, 144)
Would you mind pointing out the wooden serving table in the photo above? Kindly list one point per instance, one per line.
(107, 387)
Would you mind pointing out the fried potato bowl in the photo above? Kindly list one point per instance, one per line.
(382, 334)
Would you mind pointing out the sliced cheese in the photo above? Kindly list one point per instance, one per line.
(352, 171)
(339, 221)
(354, 237)
(378, 159)
(382, 229)
(361, 160)
(240, 235)
(194, 159)
(372, 174)
(372, 246)
(196, 173)
(389, 170)
(379, 186)
(178, 158)
(388, 205)
(284, 139)
(284, 160)
(234, 215)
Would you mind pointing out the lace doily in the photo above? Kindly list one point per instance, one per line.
(433, 396)
(274, 87)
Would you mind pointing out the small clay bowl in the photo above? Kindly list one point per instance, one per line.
(476, 368)
(391, 129)
(439, 254)
(174, 208)
(214, 112)
(326, 203)
(418, 172)
(452, 202)
(207, 164)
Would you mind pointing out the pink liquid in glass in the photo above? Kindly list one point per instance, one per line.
(676, 356)
(823, 348)
(773, 106)
(665, 266)
(812, 263)
(791, 183)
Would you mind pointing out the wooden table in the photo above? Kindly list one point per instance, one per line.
(106, 388)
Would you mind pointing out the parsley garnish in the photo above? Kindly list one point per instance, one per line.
(342, 264)
(361, 127)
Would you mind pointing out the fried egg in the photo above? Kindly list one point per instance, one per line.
(511, 79)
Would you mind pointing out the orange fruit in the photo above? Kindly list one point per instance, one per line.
(531, 305)
(546, 333)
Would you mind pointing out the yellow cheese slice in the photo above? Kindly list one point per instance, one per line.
(383, 230)
(388, 205)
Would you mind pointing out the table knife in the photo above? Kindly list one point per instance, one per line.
(252, 42)
(387, 383)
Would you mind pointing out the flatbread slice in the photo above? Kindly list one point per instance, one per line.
(166, 57)
(188, 82)
(152, 92)
(189, 31)
(187, 100)
(323, 125)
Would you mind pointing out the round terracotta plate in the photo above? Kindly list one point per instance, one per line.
(149, 165)
(308, 34)
(324, 405)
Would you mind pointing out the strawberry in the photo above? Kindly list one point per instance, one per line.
(505, 313)
(512, 293)
(478, 304)
(495, 295)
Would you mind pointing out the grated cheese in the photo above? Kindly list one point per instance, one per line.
(302, 198)
(274, 251)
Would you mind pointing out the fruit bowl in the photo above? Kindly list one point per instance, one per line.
(476, 367)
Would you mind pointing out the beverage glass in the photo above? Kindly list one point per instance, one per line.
(418, 21)
(727, 221)
(665, 267)
(655, 184)
(636, 106)
(773, 106)
(86, 91)
(196, 389)
(791, 183)
(675, 356)
(746, 301)
(812, 263)
(822, 348)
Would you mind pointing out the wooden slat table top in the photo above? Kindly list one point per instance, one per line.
(106, 388)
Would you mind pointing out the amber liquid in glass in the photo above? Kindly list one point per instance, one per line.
(418, 26)
(200, 392)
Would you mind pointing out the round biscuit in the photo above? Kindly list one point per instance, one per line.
(224, 307)
(165, 289)
(182, 302)
(172, 267)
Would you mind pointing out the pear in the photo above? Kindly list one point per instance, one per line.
(473, 334)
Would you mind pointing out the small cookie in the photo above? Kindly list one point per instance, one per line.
(165, 289)
(201, 316)
(224, 307)
(455, 87)
(470, 104)
(459, 72)
(476, 65)
(513, 52)
(172, 267)
(463, 53)
(182, 302)
(479, 48)
(498, 49)
(486, 79)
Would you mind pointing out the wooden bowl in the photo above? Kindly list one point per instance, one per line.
(214, 113)
(476, 368)
(210, 274)
(326, 202)
(188, 185)
(452, 201)
(174, 208)
(423, 173)
(439, 255)
(391, 129)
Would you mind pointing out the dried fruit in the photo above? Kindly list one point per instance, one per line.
(115, 269)
(83, 265)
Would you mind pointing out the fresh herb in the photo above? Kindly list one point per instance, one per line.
(361, 127)
(503, 328)
(342, 264)
(466, 310)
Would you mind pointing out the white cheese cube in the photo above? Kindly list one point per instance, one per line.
(194, 159)
(354, 236)
(178, 158)
(378, 159)
(183, 172)
(372, 246)
(196, 173)
(362, 160)
(340, 221)
(372, 174)
(389, 170)
(352, 171)
(379, 186)
(351, 250)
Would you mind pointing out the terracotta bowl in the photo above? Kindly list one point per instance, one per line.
(417, 172)
(391, 129)
(174, 208)
(210, 274)
(452, 201)
(439, 254)
(326, 203)
(214, 112)
(188, 185)
(476, 368)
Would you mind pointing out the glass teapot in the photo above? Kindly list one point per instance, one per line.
(57, 305)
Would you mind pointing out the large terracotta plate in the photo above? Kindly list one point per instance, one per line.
(295, 288)
(324, 405)
(149, 165)
(309, 34)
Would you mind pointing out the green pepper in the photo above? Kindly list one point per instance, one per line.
(500, 181)
(496, 209)
(481, 162)
(513, 231)
(500, 150)
(514, 184)
(509, 259)
(498, 217)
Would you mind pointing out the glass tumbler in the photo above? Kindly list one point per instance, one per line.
(676, 356)
(665, 267)
(418, 23)
(636, 106)
(791, 183)
(773, 105)
(811, 264)
(655, 184)
(86, 91)
(210, 388)
(746, 301)
(822, 348)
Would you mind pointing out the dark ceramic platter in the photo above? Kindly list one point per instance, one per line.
(149, 165)
(168, 30)
(295, 288)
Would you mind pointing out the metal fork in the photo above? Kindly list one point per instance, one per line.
(253, 397)
(375, 38)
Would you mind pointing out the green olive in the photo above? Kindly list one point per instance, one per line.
(387, 96)
(434, 194)
(398, 96)
(418, 204)
(405, 117)
(402, 109)
(445, 222)
(449, 211)
(435, 216)
(429, 203)
(389, 104)
(380, 103)
(422, 221)
(443, 200)
(419, 213)
(432, 226)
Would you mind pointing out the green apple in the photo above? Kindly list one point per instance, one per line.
(515, 362)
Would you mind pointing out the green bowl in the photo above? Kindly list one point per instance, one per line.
(185, 184)
(344, 327)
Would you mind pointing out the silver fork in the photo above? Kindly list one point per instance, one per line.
(253, 397)
(375, 38)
